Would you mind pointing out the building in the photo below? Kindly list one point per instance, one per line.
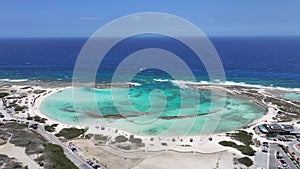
(276, 128)
(263, 129)
(288, 127)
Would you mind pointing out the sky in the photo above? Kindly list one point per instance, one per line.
(74, 18)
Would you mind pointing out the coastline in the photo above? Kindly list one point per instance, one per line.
(50, 91)
(203, 144)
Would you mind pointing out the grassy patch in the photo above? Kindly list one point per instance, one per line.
(120, 139)
(7, 162)
(58, 159)
(12, 104)
(124, 147)
(246, 161)
(100, 137)
(29, 118)
(27, 87)
(3, 95)
(52, 156)
(15, 126)
(135, 140)
(247, 150)
(20, 108)
(39, 119)
(70, 133)
(164, 144)
(39, 91)
(31, 142)
(243, 137)
(89, 136)
(271, 135)
(49, 128)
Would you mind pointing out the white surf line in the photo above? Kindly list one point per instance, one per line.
(281, 99)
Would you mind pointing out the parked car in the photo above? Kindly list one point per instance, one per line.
(264, 148)
(34, 126)
(266, 144)
(283, 163)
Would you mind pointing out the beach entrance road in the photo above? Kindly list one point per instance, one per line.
(80, 163)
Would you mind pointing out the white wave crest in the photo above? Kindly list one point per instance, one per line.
(13, 80)
(161, 80)
(134, 84)
(183, 84)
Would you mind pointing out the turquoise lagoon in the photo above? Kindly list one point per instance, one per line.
(292, 96)
(152, 112)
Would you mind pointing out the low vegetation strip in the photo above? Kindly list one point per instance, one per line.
(7, 162)
(58, 159)
(70, 133)
(121, 138)
(50, 156)
(246, 150)
(246, 161)
(3, 95)
(242, 136)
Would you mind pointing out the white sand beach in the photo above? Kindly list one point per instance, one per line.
(198, 152)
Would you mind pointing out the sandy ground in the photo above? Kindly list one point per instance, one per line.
(18, 153)
(218, 154)
(169, 160)
(162, 160)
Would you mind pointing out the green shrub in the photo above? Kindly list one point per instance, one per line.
(54, 125)
(164, 144)
(20, 108)
(13, 125)
(49, 128)
(228, 143)
(89, 136)
(135, 140)
(39, 119)
(124, 147)
(271, 135)
(243, 137)
(3, 95)
(247, 150)
(100, 137)
(58, 159)
(12, 104)
(246, 161)
(70, 133)
(39, 91)
(49, 155)
(120, 139)
(29, 118)
(26, 87)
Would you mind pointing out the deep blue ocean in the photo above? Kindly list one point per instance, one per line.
(268, 61)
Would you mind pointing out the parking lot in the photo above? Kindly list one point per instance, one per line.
(269, 159)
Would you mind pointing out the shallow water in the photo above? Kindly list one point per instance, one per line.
(151, 112)
(292, 96)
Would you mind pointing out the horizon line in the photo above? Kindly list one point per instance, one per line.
(87, 37)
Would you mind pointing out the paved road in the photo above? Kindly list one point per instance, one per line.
(292, 147)
(261, 159)
(81, 164)
(287, 159)
(273, 162)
